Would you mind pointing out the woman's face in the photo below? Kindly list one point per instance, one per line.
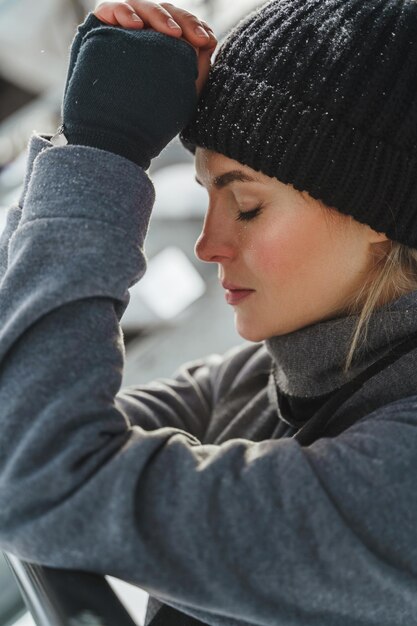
(300, 264)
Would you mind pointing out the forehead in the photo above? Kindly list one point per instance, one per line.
(204, 157)
(214, 170)
(218, 171)
(209, 164)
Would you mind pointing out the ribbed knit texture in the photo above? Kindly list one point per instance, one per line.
(309, 361)
(322, 94)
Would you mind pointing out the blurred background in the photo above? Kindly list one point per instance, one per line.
(179, 298)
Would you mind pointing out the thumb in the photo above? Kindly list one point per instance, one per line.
(204, 55)
(204, 64)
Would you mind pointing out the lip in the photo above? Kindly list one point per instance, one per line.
(235, 293)
(232, 287)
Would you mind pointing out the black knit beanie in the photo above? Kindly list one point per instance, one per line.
(322, 94)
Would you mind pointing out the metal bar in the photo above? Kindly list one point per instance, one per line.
(57, 597)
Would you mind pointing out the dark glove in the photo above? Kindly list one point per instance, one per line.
(128, 91)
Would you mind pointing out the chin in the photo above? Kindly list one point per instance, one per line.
(250, 334)
(254, 332)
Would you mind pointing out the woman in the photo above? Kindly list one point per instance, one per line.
(273, 484)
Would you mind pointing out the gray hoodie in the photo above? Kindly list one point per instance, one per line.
(193, 487)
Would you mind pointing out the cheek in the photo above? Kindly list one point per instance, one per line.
(291, 247)
(301, 250)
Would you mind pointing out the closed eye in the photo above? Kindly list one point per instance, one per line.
(244, 216)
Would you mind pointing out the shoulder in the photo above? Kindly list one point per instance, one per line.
(400, 412)
(386, 432)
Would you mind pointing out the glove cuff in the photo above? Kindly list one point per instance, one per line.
(137, 151)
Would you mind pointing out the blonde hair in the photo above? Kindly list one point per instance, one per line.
(393, 274)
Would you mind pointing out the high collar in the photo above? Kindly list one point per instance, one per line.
(309, 362)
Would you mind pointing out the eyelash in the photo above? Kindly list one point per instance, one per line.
(245, 216)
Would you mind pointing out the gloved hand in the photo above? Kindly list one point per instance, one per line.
(128, 91)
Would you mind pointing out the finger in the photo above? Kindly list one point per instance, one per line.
(105, 13)
(127, 17)
(192, 27)
(211, 42)
(118, 14)
(209, 29)
(163, 17)
(204, 64)
(155, 16)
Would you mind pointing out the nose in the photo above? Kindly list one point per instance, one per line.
(216, 242)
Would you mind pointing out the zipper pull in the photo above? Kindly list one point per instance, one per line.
(59, 138)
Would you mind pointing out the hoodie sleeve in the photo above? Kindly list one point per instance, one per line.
(36, 144)
(244, 532)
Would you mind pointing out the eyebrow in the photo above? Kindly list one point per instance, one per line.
(229, 177)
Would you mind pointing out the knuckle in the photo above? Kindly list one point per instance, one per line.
(190, 16)
(180, 10)
(192, 20)
(159, 9)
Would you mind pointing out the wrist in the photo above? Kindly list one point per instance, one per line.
(139, 153)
